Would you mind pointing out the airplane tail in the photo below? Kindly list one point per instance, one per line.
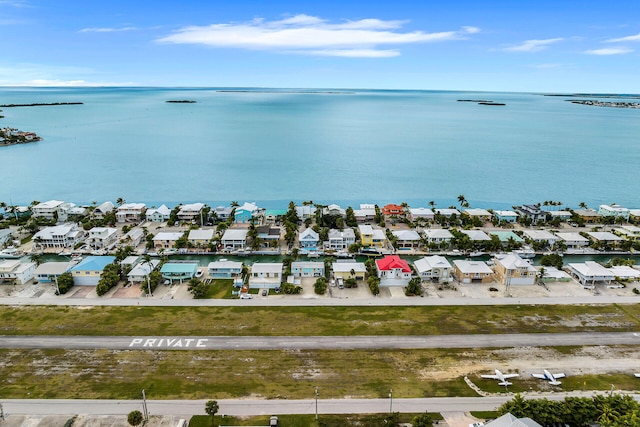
(505, 383)
(555, 382)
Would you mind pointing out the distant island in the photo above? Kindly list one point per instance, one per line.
(595, 95)
(10, 136)
(481, 101)
(40, 104)
(181, 101)
(610, 104)
(286, 91)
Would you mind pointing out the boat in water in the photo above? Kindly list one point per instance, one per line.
(11, 253)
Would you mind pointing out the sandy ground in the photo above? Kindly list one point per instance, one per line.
(84, 421)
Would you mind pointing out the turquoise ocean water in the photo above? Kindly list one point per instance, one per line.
(347, 146)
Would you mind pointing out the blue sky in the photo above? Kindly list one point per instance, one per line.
(537, 46)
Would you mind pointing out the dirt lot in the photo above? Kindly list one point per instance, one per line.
(84, 421)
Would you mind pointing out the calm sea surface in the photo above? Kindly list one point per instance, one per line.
(347, 147)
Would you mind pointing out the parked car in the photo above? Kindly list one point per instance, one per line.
(246, 296)
(265, 292)
(199, 273)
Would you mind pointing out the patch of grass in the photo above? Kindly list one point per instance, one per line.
(220, 289)
(324, 321)
(484, 415)
(295, 420)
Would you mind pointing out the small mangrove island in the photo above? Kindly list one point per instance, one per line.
(609, 104)
(181, 101)
(481, 101)
(40, 104)
(11, 136)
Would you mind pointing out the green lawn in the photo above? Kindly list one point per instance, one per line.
(346, 420)
(220, 289)
(325, 321)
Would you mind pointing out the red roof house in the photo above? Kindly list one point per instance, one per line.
(392, 267)
(392, 209)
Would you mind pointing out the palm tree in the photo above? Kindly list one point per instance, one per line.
(37, 258)
(146, 259)
(234, 204)
(583, 205)
(120, 201)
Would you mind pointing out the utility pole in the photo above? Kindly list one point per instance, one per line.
(2, 414)
(316, 403)
(145, 412)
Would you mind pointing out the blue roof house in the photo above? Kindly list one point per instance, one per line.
(88, 271)
(179, 270)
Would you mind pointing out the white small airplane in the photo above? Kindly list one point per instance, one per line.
(637, 375)
(502, 378)
(552, 378)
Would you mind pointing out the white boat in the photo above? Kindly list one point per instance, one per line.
(11, 253)
(476, 253)
(525, 252)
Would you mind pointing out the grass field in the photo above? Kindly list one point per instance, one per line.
(324, 321)
(111, 374)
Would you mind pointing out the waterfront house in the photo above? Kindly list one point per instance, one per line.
(510, 269)
(269, 236)
(334, 210)
(266, 275)
(628, 232)
(140, 272)
(234, 239)
(88, 271)
(200, 238)
(341, 239)
(625, 272)
(101, 210)
(434, 268)
(179, 270)
(130, 212)
(481, 214)
(393, 271)
(561, 215)
(506, 236)
(191, 212)
(589, 273)
(505, 216)
(309, 240)
(438, 236)
(366, 213)
(614, 210)
(589, 216)
(133, 238)
(447, 212)
(605, 238)
(634, 214)
(16, 271)
(225, 269)
(59, 236)
(307, 269)
(161, 214)
(166, 239)
(102, 237)
(508, 420)
(533, 212)
(573, 240)
(272, 216)
(248, 212)
(49, 272)
(392, 210)
(222, 213)
(423, 213)
(407, 238)
(5, 236)
(476, 235)
(344, 269)
(305, 212)
(48, 210)
(541, 236)
(466, 271)
(130, 261)
(370, 237)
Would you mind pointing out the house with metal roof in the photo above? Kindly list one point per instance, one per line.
(476, 235)
(393, 271)
(166, 239)
(415, 213)
(140, 272)
(307, 269)
(437, 235)
(17, 271)
(130, 212)
(225, 269)
(48, 272)
(447, 212)
(349, 269)
(605, 238)
(510, 269)
(466, 271)
(309, 240)
(628, 232)
(508, 420)
(161, 214)
(234, 238)
(179, 270)
(341, 239)
(434, 268)
(482, 214)
(102, 237)
(59, 236)
(614, 210)
(191, 212)
(505, 235)
(200, 237)
(266, 275)
(88, 271)
(589, 273)
(541, 236)
(573, 240)
(407, 238)
(505, 216)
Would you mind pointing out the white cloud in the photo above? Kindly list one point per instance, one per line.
(609, 51)
(635, 38)
(68, 83)
(533, 45)
(310, 35)
(106, 30)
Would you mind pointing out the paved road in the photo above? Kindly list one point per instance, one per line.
(246, 407)
(320, 342)
(320, 302)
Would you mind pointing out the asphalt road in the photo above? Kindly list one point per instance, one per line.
(319, 302)
(320, 342)
(244, 407)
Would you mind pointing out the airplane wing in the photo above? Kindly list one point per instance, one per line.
(493, 377)
(510, 375)
(539, 376)
(559, 375)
